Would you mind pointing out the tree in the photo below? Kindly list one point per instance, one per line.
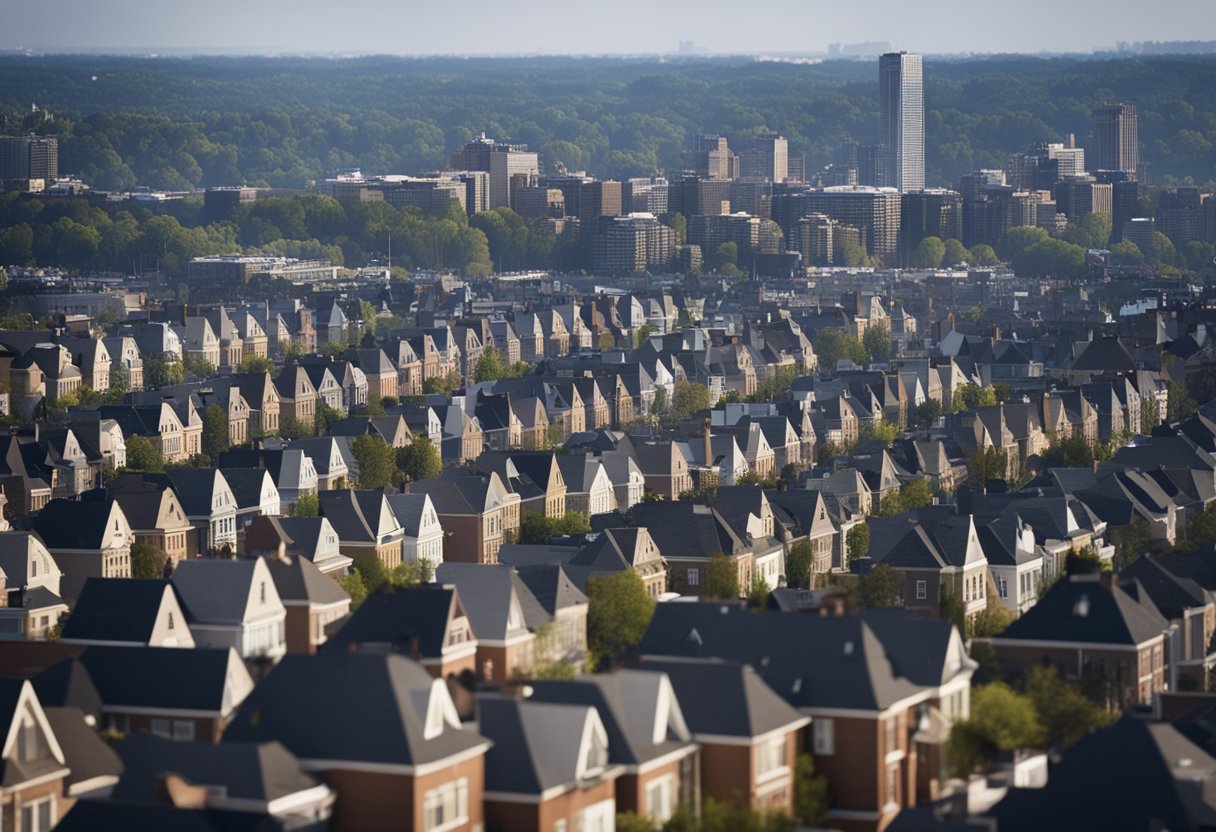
(308, 505)
(295, 428)
(147, 562)
(142, 455)
(857, 541)
(929, 412)
(1050, 258)
(441, 384)
(721, 579)
(1001, 720)
(987, 464)
(1064, 712)
(1150, 415)
(1181, 405)
(812, 798)
(197, 368)
(419, 460)
(1073, 452)
(992, 620)
(1131, 541)
(877, 342)
(489, 366)
(643, 335)
(368, 313)
(1126, 253)
(215, 431)
(325, 418)
(983, 256)
(928, 254)
(969, 396)
(1090, 231)
(376, 459)
(535, 527)
(798, 562)
(161, 371)
(618, 612)
(1002, 391)
(757, 594)
(352, 584)
(956, 254)
(916, 494)
(880, 587)
(256, 364)
(880, 430)
(687, 399)
(833, 345)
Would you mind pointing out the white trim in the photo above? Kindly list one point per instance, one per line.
(28, 698)
(721, 739)
(996, 641)
(37, 781)
(93, 783)
(775, 783)
(659, 762)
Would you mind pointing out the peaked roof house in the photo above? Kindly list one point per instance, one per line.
(689, 535)
(88, 538)
(35, 767)
(549, 765)
(395, 752)
(365, 524)
(233, 604)
(647, 737)
(32, 584)
(423, 538)
(122, 612)
(313, 600)
(156, 517)
(503, 613)
(313, 538)
(426, 623)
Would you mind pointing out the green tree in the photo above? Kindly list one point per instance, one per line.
(987, 464)
(618, 612)
(643, 335)
(147, 562)
(916, 494)
(970, 396)
(196, 368)
(687, 399)
(1002, 391)
(877, 342)
(1126, 253)
(880, 430)
(296, 428)
(215, 431)
(1150, 416)
(376, 459)
(833, 345)
(1001, 720)
(1181, 405)
(1050, 258)
(442, 384)
(857, 541)
(142, 455)
(1090, 231)
(1065, 713)
(535, 527)
(812, 797)
(419, 460)
(352, 584)
(956, 254)
(160, 371)
(928, 254)
(983, 256)
(992, 620)
(256, 364)
(1131, 541)
(308, 505)
(721, 579)
(368, 313)
(928, 412)
(880, 587)
(325, 418)
(798, 563)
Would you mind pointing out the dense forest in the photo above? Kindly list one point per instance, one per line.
(180, 123)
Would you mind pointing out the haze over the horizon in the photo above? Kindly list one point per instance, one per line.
(552, 27)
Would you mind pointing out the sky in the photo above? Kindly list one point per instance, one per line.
(608, 26)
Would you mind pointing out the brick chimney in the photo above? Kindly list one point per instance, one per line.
(709, 453)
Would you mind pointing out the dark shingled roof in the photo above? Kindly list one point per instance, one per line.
(86, 754)
(116, 609)
(374, 707)
(536, 744)
(159, 677)
(72, 524)
(725, 698)
(396, 618)
(105, 816)
(1082, 610)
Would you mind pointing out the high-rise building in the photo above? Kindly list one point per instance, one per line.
(504, 162)
(813, 238)
(902, 108)
(874, 211)
(632, 244)
(766, 159)
(690, 195)
(712, 158)
(29, 157)
(1180, 215)
(711, 231)
(934, 212)
(1116, 144)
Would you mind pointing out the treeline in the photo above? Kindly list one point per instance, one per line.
(76, 235)
(176, 123)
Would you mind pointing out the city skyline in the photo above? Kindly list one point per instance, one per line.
(140, 26)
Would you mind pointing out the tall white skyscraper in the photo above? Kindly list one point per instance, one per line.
(902, 102)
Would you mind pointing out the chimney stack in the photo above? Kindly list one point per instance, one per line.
(709, 454)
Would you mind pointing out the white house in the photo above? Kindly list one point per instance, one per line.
(1015, 562)
(588, 487)
(423, 533)
(28, 566)
(233, 603)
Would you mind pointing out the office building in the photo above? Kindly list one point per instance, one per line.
(935, 212)
(1116, 143)
(875, 212)
(1077, 196)
(976, 185)
(712, 158)
(1140, 230)
(1125, 205)
(813, 238)
(645, 196)
(711, 231)
(767, 159)
(902, 111)
(1180, 215)
(540, 202)
(220, 204)
(632, 244)
(29, 157)
(874, 166)
(691, 195)
(504, 162)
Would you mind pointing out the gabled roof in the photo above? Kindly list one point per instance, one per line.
(1082, 610)
(216, 591)
(487, 591)
(163, 677)
(116, 609)
(724, 698)
(684, 529)
(392, 713)
(552, 587)
(402, 619)
(87, 755)
(297, 579)
(74, 524)
(1170, 593)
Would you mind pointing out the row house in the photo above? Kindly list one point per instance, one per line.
(32, 587)
(476, 511)
(589, 491)
(261, 398)
(689, 535)
(156, 517)
(231, 345)
(380, 373)
(159, 424)
(423, 533)
(251, 332)
(205, 497)
(233, 604)
(365, 524)
(535, 476)
(287, 538)
(297, 396)
(126, 361)
(329, 389)
(200, 343)
(152, 615)
(87, 538)
(504, 615)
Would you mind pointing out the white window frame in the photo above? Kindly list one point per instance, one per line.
(922, 590)
(436, 800)
(824, 731)
(694, 577)
(664, 789)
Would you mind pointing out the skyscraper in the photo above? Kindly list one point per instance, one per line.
(902, 105)
(1116, 138)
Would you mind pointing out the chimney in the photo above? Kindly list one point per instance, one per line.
(1107, 579)
(175, 791)
(709, 454)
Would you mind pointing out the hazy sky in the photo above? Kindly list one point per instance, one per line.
(605, 26)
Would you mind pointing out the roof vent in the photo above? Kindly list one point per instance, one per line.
(797, 688)
(1081, 608)
(848, 648)
(724, 609)
(693, 636)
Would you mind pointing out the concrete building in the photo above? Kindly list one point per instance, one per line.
(902, 109)
(1116, 144)
(632, 245)
(767, 158)
(502, 161)
(29, 157)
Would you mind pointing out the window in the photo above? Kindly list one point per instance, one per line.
(892, 790)
(694, 577)
(770, 756)
(825, 736)
(922, 590)
(447, 806)
(659, 799)
(183, 729)
(38, 816)
(170, 621)
(891, 728)
(162, 728)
